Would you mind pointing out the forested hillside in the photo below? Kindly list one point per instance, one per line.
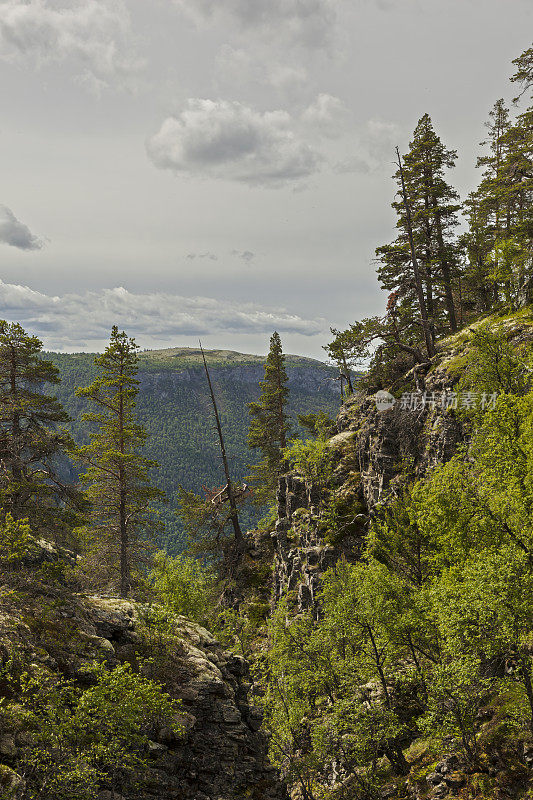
(174, 407)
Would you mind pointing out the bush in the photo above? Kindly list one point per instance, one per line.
(16, 541)
(183, 585)
(84, 740)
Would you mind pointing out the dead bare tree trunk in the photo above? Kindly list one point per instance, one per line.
(239, 538)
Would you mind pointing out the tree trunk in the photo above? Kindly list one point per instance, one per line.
(347, 374)
(123, 519)
(239, 538)
(418, 282)
(445, 269)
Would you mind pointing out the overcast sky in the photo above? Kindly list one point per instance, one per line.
(221, 168)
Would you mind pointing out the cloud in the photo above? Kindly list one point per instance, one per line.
(210, 256)
(95, 34)
(309, 22)
(246, 255)
(15, 233)
(327, 116)
(241, 67)
(84, 320)
(229, 140)
(375, 148)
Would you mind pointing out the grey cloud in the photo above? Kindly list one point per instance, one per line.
(15, 233)
(229, 140)
(310, 23)
(240, 67)
(326, 116)
(246, 255)
(210, 256)
(97, 35)
(80, 320)
(375, 148)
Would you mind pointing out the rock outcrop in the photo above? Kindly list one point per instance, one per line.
(215, 752)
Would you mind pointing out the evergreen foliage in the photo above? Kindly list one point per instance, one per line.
(32, 441)
(269, 426)
(174, 416)
(117, 474)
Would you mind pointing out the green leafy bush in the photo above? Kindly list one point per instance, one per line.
(92, 738)
(183, 585)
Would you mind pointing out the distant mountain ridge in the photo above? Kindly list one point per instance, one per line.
(174, 406)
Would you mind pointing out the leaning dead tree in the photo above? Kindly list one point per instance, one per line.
(229, 488)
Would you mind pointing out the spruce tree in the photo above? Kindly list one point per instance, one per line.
(32, 443)
(117, 472)
(269, 425)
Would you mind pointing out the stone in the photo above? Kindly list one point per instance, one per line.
(8, 748)
(10, 781)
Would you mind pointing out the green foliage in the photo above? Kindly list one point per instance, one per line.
(92, 738)
(117, 474)
(312, 458)
(16, 540)
(432, 629)
(494, 364)
(207, 522)
(319, 424)
(173, 406)
(32, 443)
(269, 425)
(183, 585)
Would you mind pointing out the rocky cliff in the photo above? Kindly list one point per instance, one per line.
(372, 453)
(213, 751)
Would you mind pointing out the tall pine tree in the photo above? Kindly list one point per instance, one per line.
(269, 426)
(433, 206)
(116, 471)
(32, 442)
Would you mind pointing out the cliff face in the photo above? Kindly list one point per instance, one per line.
(215, 751)
(370, 453)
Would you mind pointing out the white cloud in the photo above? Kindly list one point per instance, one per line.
(96, 34)
(309, 22)
(229, 140)
(15, 233)
(84, 320)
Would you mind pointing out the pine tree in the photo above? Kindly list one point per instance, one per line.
(346, 355)
(269, 425)
(499, 239)
(32, 445)
(117, 472)
(430, 205)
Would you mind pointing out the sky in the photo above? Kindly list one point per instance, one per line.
(222, 168)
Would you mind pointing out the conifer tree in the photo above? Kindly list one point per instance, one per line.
(499, 239)
(269, 425)
(32, 443)
(117, 472)
(432, 208)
